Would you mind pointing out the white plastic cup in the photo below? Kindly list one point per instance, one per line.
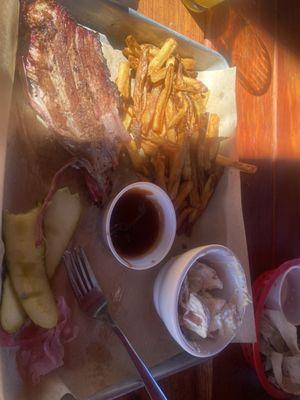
(169, 282)
(167, 235)
(284, 295)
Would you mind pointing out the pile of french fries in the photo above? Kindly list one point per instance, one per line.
(174, 141)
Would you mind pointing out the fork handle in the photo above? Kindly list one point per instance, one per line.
(154, 391)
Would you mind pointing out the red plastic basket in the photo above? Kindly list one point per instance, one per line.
(261, 288)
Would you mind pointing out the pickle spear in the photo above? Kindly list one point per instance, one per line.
(60, 222)
(12, 314)
(26, 268)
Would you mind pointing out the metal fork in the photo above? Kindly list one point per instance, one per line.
(93, 302)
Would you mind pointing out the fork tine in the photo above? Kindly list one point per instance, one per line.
(82, 261)
(77, 273)
(67, 257)
(88, 269)
(84, 284)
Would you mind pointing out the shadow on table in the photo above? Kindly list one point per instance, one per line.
(238, 30)
(228, 31)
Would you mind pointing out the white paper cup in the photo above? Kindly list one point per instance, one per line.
(169, 282)
(284, 295)
(160, 249)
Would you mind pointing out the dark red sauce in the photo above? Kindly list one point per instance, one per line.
(135, 223)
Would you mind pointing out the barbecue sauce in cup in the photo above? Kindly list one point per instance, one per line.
(135, 223)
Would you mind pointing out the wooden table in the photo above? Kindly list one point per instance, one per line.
(260, 37)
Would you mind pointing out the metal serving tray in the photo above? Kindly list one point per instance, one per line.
(116, 22)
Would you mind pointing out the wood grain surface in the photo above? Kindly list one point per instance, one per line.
(262, 39)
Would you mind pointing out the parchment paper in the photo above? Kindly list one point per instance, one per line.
(96, 359)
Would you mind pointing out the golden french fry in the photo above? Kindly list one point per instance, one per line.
(187, 83)
(200, 150)
(164, 143)
(159, 114)
(149, 148)
(179, 76)
(194, 194)
(172, 135)
(209, 130)
(183, 205)
(179, 114)
(169, 147)
(138, 162)
(123, 79)
(135, 128)
(132, 146)
(133, 45)
(208, 147)
(142, 177)
(127, 52)
(140, 81)
(163, 131)
(208, 191)
(213, 147)
(189, 64)
(146, 120)
(192, 218)
(185, 88)
(133, 61)
(243, 167)
(127, 118)
(170, 111)
(192, 119)
(194, 83)
(162, 56)
(205, 96)
(202, 124)
(149, 109)
(170, 61)
(201, 176)
(152, 50)
(160, 170)
(176, 166)
(194, 215)
(183, 219)
(180, 137)
(210, 186)
(213, 126)
(199, 103)
(179, 98)
(159, 75)
(189, 171)
(145, 95)
(184, 191)
(187, 166)
(206, 160)
(191, 74)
